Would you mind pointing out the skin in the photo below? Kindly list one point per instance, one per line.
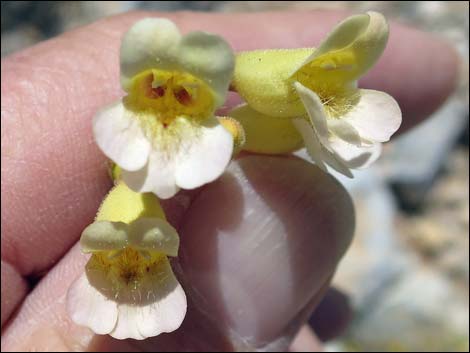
(54, 177)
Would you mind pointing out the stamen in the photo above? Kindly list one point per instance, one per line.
(158, 92)
(182, 96)
(160, 97)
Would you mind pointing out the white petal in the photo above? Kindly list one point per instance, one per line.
(356, 157)
(204, 156)
(120, 137)
(158, 176)
(160, 307)
(315, 110)
(157, 43)
(189, 155)
(210, 58)
(317, 129)
(353, 46)
(104, 235)
(87, 306)
(149, 43)
(376, 116)
(169, 311)
(313, 145)
(154, 234)
(344, 131)
(317, 151)
(128, 320)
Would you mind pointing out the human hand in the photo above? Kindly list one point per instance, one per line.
(258, 246)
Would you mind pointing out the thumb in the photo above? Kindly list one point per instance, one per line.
(258, 249)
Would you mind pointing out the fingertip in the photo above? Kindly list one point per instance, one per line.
(418, 69)
(284, 181)
(271, 227)
(305, 341)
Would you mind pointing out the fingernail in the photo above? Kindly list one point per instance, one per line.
(260, 242)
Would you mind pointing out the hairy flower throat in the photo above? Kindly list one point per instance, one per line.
(166, 95)
(336, 97)
(126, 269)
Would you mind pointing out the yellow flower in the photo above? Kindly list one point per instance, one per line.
(128, 289)
(313, 95)
(163, 134)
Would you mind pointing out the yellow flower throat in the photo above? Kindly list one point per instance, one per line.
(127, 270)
(166, 95)
(329, 76)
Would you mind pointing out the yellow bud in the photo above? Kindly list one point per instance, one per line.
(237, 131)
(265, 134)
(263, 79)
(114, 172)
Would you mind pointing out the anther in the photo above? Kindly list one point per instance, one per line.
(182, 96)
(158, 91)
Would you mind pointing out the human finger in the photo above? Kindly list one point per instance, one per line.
(258, 249)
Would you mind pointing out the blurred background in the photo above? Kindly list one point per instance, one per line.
(407, 272)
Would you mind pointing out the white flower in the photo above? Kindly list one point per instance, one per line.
(351, 140)
(163, 134)
(128, 289)
(346, 125)
(316, 90)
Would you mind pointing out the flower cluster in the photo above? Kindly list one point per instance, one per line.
(163, 135)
